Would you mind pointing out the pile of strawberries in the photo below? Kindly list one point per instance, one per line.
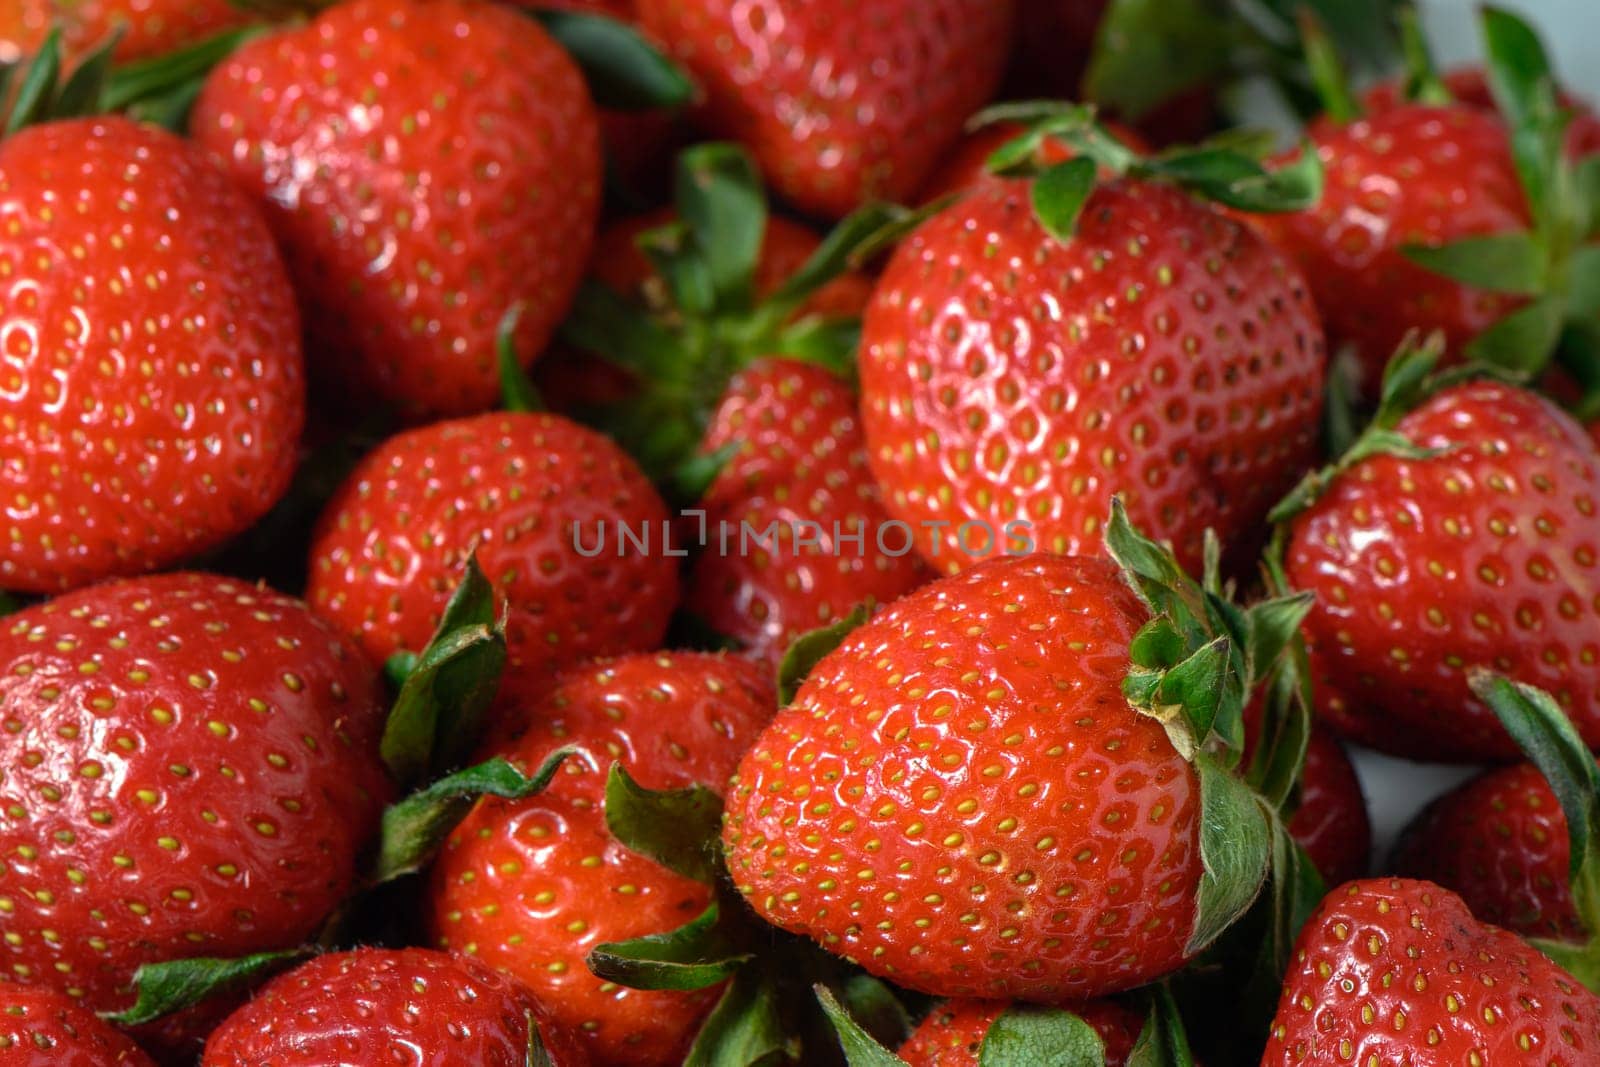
(731, 533)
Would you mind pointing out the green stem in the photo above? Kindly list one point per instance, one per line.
(1327, 70)
(1423, 84)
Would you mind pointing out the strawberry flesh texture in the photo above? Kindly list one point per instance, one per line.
(191, 770)
(1165, 352)
(1484, 555)
(952, 1035)
(44, 1028)
(522, 490)
(150, 360)
(840, 102)
(961, 800)
(425, 166)
(801, 459)
(1500, 841)
(1399, 972)
(375, 1005)
(530, 887)
(1414, 175)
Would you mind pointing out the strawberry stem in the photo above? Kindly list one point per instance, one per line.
(1327, 70)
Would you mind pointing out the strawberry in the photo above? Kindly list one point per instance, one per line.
(1013, 379)
(1398, 971)
(458, 174)
(1474, 546)
(44, 1028)
(150, 363)
(952, 1035)
(530, 887)
(1500, 841)
(545, 504)
(1469, 86)
(377, 1005)
(799, 460)
(191, 769)
(840, 103)
(148, 27)
(1331, 821)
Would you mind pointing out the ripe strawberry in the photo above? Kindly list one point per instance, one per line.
(1012, 382)
(961, 799)
(800, 461)
(1331, 822)
(1480, 555)
(191, 767)
(377, 1005)
(544, 503)
(149, 27)
(151, 389)
(44, 1028)
(953, 1034)
(1411, 175)
(841, 103)
(1396, 971)
(1500, 841)
(1470, 87)
(529, 887)
(456, 174)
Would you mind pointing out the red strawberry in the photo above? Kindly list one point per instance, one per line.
(1012, 383)
(953, 1034)
(44, 1028)
(801, 473)
(1481, 555)
(1331, 822)
(1500, 841)
(544, 503)
(425, 166)
(1411, 175)
(1470, 87)
(840, 102)
(191, 768)
(530, 887)
(377, 1005)
(151, 390)
(1399, 972)
(148, 27)
(960, 797)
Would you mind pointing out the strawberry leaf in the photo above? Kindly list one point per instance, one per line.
(160, 89)
(434, 721)
(1149, 51)
(681, 829)
(857, 238)
(1197, 687)
(1235, 849)
(81, 93)
(692, 478)
(517, 391)
(1521, 342)
(1525, 92)
(413, 829)
(9, 604)
(830, 343)
(1059, 194)
(38, 86)
(698, 954)
(1583, 283)
(809, 648)
(719, 198)
(1285, 730)
(1163, 1042)
(861, 1049)
(1024, 1035)
(1422, 82)
(1498, 262)
(537, 1055)
(164, 988)
(873, 1004)
(603, 322)
(1271, 625)
(1586, 188)
(1327, 69)
(624, 71)
(745, 1028)
(1236, 180)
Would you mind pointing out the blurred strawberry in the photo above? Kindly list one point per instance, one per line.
(148, 27)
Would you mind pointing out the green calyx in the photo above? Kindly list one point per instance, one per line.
(708, 322)
(1226, 170)
(163, 988)
(158, 90)
(1555, 264)
(1550, 741)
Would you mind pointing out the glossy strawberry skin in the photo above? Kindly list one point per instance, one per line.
(961, 800)
(531, 887)
(1331, 821)
(801, 459)
(45, 1028)
(1399, 972)
(1500, 841)
(149, 27)
(375, 1005)
(1413, 175)
(1483, 555)
(390, 547)
(151, 378)
(457, 173)
(1166, 353)
(839, 102)
(1470, 87)
(952, 1035)
(191, 769)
